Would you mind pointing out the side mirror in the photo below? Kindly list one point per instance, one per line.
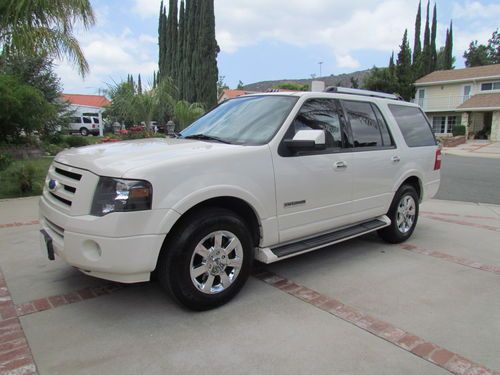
(307, 140)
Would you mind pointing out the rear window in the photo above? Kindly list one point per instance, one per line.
(414, 126)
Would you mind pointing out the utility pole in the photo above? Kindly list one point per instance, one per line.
(320, 68)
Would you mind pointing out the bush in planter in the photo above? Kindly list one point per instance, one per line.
(458, 130)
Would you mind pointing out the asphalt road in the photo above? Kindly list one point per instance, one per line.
(470, 179)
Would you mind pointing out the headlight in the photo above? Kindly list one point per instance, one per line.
(119, 195)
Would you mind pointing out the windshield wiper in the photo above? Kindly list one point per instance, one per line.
(206, 137)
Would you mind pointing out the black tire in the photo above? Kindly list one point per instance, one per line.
(177, 260)
(84, 132)
(393, 233)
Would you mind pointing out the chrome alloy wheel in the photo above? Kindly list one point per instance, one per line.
(216, 262)
(406, 214)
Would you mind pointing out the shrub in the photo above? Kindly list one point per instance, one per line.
(53, 149)
(55, 139)
(458, 130)
(74, 141)
(24, 176)
(5, 160)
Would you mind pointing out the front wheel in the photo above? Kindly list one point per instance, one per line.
(403, 214)
(208, 259)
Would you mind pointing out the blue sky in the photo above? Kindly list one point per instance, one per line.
(267, 40)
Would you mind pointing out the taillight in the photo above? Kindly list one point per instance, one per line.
(437, 161)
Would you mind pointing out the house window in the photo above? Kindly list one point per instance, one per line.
(467, 92)
(490, 86)
(443, 124)
(439, 124)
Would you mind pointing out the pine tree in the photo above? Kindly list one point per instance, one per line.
(433, 60)
(404, 72)
(417, 46)
(426, 51)
(448, 48)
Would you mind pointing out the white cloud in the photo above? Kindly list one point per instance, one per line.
(347, 61)
(475, 10)
(146, 8)
(110, 57)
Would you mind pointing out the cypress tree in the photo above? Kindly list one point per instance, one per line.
(161, 37)
(417, 46)
(196, 59)
(403, 69)
(448, 48)
(426, 52)
(208, 51)
(187, 88)
(139, 85)
(164, 43)
(433, 60)
(180, 50)
(174, 29)
(391, 65)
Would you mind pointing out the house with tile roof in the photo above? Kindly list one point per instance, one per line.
(86, 107)
(469, 97)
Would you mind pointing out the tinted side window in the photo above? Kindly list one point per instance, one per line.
(76, 120)
(414, 126)
(384, 130)
(87, 120)
(364, 124)
(319, 114)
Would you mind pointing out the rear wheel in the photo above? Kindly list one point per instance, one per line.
(84, 132)
(403, 214)
(208, 259)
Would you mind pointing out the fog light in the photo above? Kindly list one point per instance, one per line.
(91, 250)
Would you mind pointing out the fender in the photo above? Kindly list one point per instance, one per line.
(407, 174)
(217, 191)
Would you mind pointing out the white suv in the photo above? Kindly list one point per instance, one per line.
(266, 176)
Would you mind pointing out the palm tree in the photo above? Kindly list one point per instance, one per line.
(186, 113)
(45, 27)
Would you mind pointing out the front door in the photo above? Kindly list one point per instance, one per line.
(314, 188)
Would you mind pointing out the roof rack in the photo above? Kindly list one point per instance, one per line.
(374, 94)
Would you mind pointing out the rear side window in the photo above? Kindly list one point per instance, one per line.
(87, 120)
(414, 126)
(364, 124)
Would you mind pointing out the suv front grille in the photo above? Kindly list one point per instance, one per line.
(66, 187)
(72, 175)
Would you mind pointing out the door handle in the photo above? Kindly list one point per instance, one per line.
(340, 165)
(396, 159)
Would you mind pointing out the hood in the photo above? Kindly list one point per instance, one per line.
(115, 159)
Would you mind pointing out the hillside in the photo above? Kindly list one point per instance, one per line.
(343, 80)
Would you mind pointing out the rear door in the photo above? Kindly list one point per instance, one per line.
(376, 162)
(313, 188)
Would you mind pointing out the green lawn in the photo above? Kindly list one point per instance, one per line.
(9, 184)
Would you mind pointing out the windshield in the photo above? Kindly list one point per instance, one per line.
(251, 120)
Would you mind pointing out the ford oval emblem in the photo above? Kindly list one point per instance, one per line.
(53, 185)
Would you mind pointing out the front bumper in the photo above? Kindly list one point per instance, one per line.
(121, 247)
